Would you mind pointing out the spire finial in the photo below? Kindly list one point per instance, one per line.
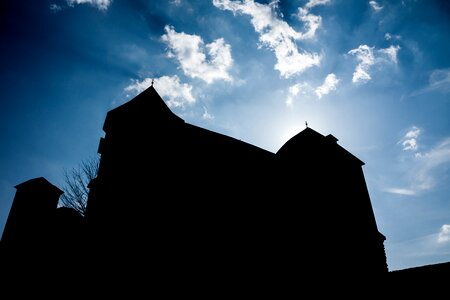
(153, 81)
(306, 123)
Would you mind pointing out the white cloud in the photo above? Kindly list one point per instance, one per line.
(296, 89)
(100, 4)
(139, 86)
(189, 51)
(312, 23)
(55, 7)
(330, 83)
(375, 6)
(391, 52)
(401, 191)
(176, 2)
(293, 91)
(413, 133)
(426, 170)
(206, 115)
(169, 88)
(312, 3)
(410, 144)
(409, 141)
(389, 36)
(367, 57)
(444, 234)
(277, 35)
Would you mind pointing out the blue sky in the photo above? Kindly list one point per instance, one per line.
(375, 74)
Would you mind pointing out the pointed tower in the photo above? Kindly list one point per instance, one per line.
(189, 194)
(139, 136)
(329, 183)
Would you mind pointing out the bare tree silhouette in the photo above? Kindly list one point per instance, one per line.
(76, 184)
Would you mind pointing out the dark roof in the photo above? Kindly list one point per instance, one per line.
(301, 139)
(38, 183)
(310, 141)
(225, 139)
(148, 106)
(425, 270)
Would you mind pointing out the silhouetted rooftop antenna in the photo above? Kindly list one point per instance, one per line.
(153, 81)
(306, 123)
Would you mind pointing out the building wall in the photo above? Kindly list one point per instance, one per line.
(190, 192)
(32, 212)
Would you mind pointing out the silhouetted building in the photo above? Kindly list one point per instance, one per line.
(42, 245)
(32, 212)
(207, 201)
(176, 207)
(328, 184)
(68, 227)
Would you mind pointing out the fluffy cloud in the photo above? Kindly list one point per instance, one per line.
(409, 141)
(189, 50)
(444, 234)
(330, 83)
(391, 53)
(368, 56)
(175, 93)
(100, 4)
(312, 3)
(375, 6)
(277, 35)
(312, 23)
(296, 89)
(364, 54)
(293, 91)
